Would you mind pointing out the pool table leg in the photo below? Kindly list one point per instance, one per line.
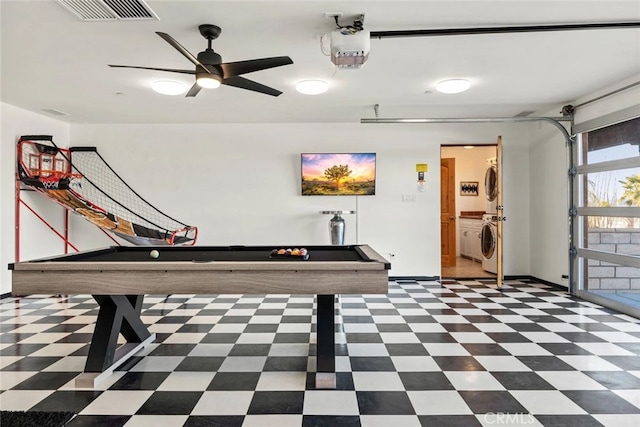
(326, 349)
(119, 314)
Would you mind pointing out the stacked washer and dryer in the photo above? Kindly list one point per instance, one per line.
(489, 235)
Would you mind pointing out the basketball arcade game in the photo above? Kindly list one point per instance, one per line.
(81, 181)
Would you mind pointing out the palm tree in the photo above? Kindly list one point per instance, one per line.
(631, 186)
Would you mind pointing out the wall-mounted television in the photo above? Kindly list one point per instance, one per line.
(338, 174)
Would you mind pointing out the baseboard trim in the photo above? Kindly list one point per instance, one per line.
(414, 278)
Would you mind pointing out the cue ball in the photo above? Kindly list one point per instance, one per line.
(154, 254)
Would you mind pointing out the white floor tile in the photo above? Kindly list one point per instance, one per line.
(389, 420)
(524, 349)
(156, 421)
(125, 402)
(414, 364)
(282, 380)
(473, 380)
(330, 402)
(367, 350)
(369, 381)
(546, 402)
(445, 349)
(604, 349)
(243, 364)
(438, 403)
(22, 400)
(223, 403)
(570, 380)
(157, 364)
(187, 381)
(272, 421)
(589, 363)
(502, 363)
(618, 420)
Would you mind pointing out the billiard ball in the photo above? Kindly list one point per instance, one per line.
(154, 254)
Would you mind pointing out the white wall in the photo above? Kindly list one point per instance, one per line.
(240, 184)
(549, 206)
(37, 240)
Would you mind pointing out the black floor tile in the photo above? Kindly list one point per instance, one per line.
(601, 402)
(545, 363)
(368, 338)
(449, 421)
(21, 349)
(250, 350)
(201, 364)
(72, 401)
(214, 421)
(406, 350)
(384, 403)
(98, 421)
(234, 381)
(140, 381)
(458, 363)
(46, 381)
(372, 364)
(286, 364)
(276, 402)
(480, 349)
(616, 380)
(170, 403)
(425, 381)
(565, 349)
(330, 421)
(628, 363)
(522, 381)
(482, 402)
(31, 364)
(172, 350)
(568, 421)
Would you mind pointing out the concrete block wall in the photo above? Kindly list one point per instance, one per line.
(606, 276)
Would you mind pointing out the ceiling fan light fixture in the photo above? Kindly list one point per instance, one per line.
(453, 85)
(168, 87)
(208, 81)
(312, 87)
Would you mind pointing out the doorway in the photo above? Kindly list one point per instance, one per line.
(467, 218)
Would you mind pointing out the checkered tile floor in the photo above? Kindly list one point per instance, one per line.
(427, 354)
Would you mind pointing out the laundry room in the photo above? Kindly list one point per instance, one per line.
(475, 195)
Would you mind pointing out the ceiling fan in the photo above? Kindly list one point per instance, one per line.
(211, 72)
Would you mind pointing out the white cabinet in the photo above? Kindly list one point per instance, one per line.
(470, 230)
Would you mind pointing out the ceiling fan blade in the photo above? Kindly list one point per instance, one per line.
(172, 70)
(243, 83)
(194, 90)
(502, 30)
(181, 49)
(231, 69)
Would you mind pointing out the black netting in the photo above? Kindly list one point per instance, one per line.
(103, 187)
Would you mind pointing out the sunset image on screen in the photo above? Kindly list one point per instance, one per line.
(339, 174)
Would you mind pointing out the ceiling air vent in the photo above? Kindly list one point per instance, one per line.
(54, 112)
(524, 113)
(109, 10)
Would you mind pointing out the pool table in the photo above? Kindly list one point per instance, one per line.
(118, 277)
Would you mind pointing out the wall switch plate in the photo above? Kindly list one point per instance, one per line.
(408, 198)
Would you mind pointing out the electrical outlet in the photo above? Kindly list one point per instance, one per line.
(565, 277)
(332, 15)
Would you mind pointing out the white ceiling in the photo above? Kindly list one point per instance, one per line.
(52, 60)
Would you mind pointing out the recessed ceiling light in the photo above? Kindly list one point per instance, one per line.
(453, 86)
(312, 87)
(468, 147)
(169, 87)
